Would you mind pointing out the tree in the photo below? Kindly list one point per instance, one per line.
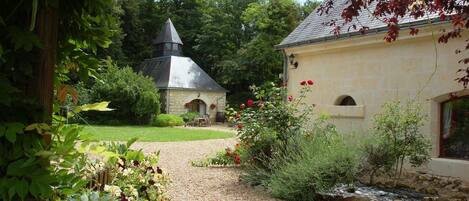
(391, 11)
(41, 44)
(309, 6)
(133, 96)
(267, 23)
(221, 34)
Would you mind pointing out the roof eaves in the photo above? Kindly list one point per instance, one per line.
(420, 23)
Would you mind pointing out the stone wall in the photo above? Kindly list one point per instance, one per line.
(178, 98)
(374, 72)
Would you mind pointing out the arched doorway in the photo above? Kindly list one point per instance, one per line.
(199, 106)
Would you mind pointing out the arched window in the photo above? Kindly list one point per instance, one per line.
(345, 101)
(454, 137)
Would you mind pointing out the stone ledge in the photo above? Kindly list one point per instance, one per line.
(344, 111)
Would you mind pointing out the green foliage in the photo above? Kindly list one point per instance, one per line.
(309, 166)
(167, 120)
(131, 174)
(189, 116)
(35, 158)
(133, 97)
(226, 157)
(293, 155)
(399, 139)
(265, 23)
(270, 119)
(227, 38)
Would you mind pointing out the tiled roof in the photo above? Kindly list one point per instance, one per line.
(313, 29)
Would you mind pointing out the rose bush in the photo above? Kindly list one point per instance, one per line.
(269, 119)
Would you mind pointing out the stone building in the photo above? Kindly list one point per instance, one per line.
(182, 84)
(356, 74)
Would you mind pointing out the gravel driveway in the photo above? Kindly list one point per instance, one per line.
(201, 183)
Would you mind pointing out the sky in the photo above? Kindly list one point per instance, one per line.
(302, 1)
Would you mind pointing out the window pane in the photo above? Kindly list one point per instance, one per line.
(455, 129)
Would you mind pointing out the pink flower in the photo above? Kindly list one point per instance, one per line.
(310, 82)
(250, 103)
(290, 98)
(242, 106)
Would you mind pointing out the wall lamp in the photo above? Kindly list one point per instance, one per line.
(292, 61)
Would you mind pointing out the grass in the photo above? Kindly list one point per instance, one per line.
(151, 134)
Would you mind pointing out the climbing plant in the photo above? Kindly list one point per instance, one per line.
(44, 46)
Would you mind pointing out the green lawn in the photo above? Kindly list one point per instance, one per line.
(151, 134)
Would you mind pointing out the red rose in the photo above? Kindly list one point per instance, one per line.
(240, 126)
(242, 106)
(290, 98)
(237, 159)
(250, 103)
(310, 82)
(303, 82)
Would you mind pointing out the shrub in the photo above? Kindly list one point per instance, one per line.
(189, 116)
(131, 175)
(397, 129)
(168, 120)
(303, 167)
(228, 156)
(269, 120)
(133, 96)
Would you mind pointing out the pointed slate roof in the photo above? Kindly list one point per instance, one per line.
(168, 34)
(314, 30)
(175, 72)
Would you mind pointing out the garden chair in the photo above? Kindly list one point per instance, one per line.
(206, 121)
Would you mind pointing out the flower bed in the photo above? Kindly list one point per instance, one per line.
(120, 173)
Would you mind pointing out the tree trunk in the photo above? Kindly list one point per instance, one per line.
(42, 84)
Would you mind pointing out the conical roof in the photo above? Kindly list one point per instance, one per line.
(168, 34)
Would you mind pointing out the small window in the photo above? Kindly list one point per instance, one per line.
(345, 101)
(175, 47)
(454, 138)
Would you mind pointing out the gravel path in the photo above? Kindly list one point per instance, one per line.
(201, 183)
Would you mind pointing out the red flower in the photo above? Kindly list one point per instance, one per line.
(310, 82)
(240, 126)
(290, 98)
(228, 152)
(237, 159)
(250, 103)
(242, 106)
(303, 82)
